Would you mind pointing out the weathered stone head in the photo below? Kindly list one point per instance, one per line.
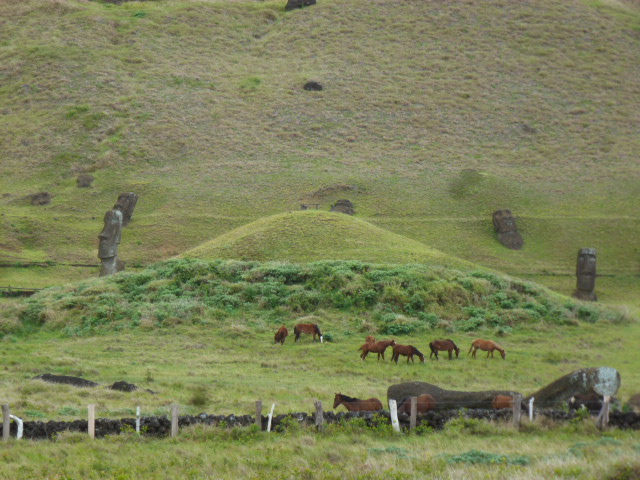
(505, 226)
(126, 203)
(109, 240)
(586, 274)
(343, 206)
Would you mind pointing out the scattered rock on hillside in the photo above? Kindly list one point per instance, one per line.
(67, 380)
(84, 180)
(41, 198)
(343, 206)
(123, 386)
(291, 4)
(312, 86)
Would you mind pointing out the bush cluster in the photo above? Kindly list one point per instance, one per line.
(402, 298)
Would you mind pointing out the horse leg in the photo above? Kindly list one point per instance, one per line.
(450, 354)
(475, 350)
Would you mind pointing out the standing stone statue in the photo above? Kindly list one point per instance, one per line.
(127, 203)
(586, 275)
(109, 241)
(505, 226)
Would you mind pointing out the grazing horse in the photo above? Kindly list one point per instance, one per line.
(357, 405)
(378, 347)
(488, 346)
(502, 401)
(408, 351)
(425, 403)
(370, 339)
(281, 335)
(443, 345)
(310, 328)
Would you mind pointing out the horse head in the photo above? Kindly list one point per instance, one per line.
(337, 400)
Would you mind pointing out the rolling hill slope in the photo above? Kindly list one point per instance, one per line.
(432, 115)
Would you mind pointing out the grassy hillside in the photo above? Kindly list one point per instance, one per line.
(433, 114)
(315, 235)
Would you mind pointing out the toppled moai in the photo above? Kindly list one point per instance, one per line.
(586, 275)
(505, 226)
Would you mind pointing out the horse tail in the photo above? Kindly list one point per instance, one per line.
(472, 345)
(295, 330)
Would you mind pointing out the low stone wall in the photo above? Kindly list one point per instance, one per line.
(161, 426)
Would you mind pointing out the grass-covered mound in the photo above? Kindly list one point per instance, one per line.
(308, 236)
(378, 298)
(432, 115)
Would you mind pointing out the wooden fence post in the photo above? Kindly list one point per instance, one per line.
(414, 413)
(531, 409)
(6, 423)
(174, 420)
(91, 423)
(319, 415)
(517, 408)
(393, 412)
(603, 417)
(259, 414)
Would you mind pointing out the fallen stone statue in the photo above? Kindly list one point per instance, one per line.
(577, 385)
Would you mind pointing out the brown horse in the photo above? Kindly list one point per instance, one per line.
(310, 328)
(425, 403)
(357, 405)
(443, 345)
(502, 401)
(488, 346)
(370, 339)
(378, 347)
(408, 351)
(281, 335)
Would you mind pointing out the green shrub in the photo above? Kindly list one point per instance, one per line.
(475, 457)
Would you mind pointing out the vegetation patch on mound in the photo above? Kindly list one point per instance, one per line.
(390, 299)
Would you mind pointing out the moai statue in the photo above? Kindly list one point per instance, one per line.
(343, 206)
(505, 226)
(127, 203)
(586, 275)
(109, 241)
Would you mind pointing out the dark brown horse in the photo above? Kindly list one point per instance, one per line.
(425, 403)
(378, 347)
(488, 346)
(408, 351)
(309, 328)
(502, 401)
(357, 405)
(443, 345)
(281, 335)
